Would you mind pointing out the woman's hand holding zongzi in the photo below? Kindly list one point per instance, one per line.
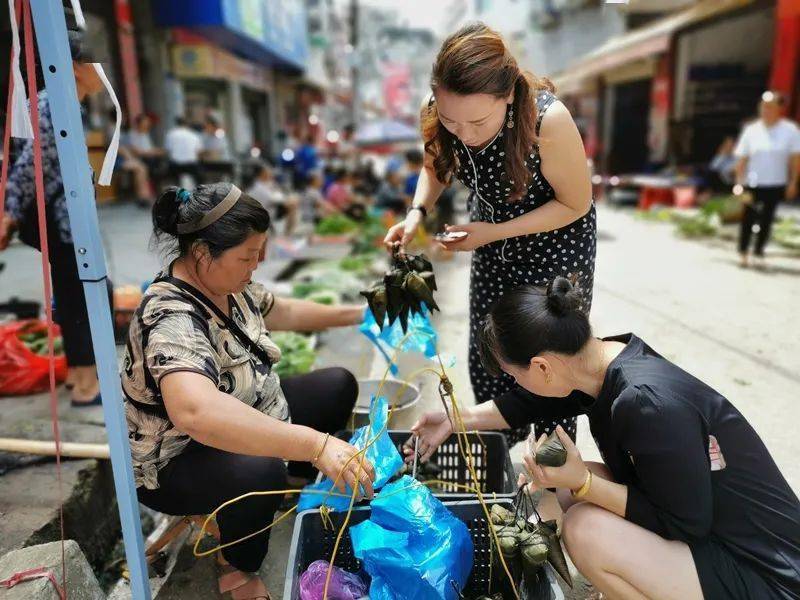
(571, 475)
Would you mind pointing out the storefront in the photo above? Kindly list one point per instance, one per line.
(722, 66)
(229, 57)
(626, 118)
(659, 85)
(215, 82)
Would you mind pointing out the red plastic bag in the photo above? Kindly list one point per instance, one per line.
(22, 371)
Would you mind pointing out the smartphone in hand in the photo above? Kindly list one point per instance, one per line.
(450, 236)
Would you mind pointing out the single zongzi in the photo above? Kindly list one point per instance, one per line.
(555, 554)
(501, 515)
(552, 452)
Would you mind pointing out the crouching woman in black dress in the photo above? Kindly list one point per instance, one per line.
(688, 503)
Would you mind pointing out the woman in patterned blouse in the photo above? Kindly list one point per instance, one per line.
(208, 418)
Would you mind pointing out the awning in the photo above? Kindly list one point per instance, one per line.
(270, 33)
(640, 43)
(385, 132)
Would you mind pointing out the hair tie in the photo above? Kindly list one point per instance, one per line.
(183, 195)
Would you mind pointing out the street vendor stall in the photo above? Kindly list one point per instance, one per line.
(646, 191)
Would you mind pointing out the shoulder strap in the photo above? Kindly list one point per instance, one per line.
(544, 100)
(200, 299)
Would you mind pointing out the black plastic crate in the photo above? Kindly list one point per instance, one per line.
(311, 541)
(492, 464)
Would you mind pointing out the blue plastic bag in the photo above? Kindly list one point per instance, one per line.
(383, 455)
(420, 336)
(412, 546)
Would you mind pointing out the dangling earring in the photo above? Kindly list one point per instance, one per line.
(510, 123)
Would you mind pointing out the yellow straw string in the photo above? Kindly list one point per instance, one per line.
(464, 449)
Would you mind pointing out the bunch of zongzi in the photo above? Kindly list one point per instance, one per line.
(526, 546)
(404, 290)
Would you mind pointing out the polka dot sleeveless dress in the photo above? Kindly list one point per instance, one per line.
(525, 260)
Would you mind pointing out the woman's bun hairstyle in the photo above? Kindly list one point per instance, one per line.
(529, 321)
(166, 211)
(178, 205)
(562, 296)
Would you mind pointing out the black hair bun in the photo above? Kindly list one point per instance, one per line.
(165, 212)
(562, 296)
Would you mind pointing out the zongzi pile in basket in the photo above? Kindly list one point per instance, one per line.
(527, 546)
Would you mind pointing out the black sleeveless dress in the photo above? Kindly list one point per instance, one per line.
(524, 260)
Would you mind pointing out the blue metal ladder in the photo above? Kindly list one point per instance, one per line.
(73, 156)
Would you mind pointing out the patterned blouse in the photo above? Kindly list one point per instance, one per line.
(21, 198)
(173, 330)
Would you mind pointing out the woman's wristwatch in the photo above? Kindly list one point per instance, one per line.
(421, 208)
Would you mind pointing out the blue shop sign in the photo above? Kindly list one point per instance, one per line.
(271, 32)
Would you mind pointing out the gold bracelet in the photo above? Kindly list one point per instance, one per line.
(321, 449)
(584, 489)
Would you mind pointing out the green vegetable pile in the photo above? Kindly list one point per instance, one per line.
(697, 227)
(336, 224)
(326, 297)
(357, 263)
(297, 355)
(729, 208)
(304, 289)
(656, 215)
(325, 277)
(370, 236)
(37, 343)
(787, 234)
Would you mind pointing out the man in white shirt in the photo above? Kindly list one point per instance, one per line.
(768, 153)
(183, 146)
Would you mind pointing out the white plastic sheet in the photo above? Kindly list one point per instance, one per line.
(80, 21)
(20, 117)
(113, 147)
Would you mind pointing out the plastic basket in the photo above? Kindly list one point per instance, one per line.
(493, 464)
(311, 541)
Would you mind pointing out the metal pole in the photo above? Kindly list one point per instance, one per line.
(355, 58)
(56, 62)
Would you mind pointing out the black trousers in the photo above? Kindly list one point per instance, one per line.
(761, 211)
(70, 305)
(201, 478)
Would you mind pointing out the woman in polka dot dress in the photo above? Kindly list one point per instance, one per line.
(504, 134)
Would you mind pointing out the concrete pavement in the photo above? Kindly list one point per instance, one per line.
(735, 329)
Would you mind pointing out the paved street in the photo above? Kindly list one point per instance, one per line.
(734, 329)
